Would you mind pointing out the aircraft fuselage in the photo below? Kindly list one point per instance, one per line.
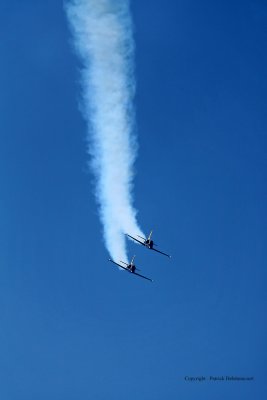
(149, 243)
(131, 268)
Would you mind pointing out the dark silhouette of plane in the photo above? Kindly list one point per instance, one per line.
(130, 268)
(148, 243)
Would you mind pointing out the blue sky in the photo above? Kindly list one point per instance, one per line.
(71, 325)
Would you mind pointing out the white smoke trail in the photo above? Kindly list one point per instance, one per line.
(103, 37)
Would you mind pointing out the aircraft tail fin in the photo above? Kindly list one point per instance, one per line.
(133, 260)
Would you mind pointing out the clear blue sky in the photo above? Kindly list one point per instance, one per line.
(71, 325)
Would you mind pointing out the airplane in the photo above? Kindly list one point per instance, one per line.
(148, 243)
(131, 268)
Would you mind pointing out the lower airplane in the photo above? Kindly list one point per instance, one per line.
(148, 243)
(130, 268)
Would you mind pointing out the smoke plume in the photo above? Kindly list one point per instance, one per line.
(102, 34)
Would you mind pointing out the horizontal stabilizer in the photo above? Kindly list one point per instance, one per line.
(141, 237)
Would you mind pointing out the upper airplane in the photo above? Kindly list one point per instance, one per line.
(148, 243)
(130, 268)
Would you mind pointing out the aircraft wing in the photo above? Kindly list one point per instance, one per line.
(139, 241)
(161, 252)
(116, 263)
(142, 276)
